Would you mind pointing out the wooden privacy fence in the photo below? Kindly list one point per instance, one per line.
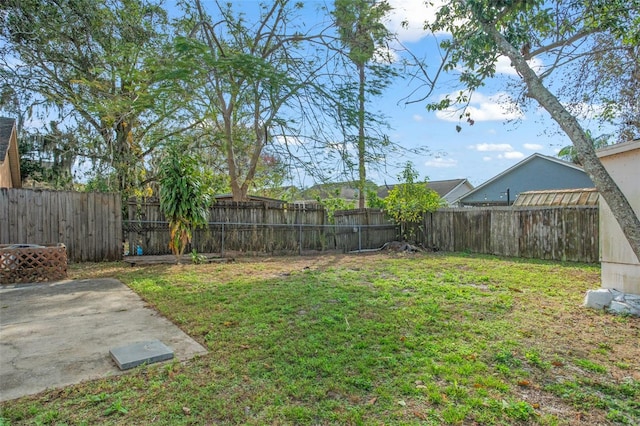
(259, 227)
(91, 227)
(553, 233)
(88, 224)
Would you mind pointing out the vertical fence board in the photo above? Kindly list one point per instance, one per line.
(52, 216)
(21, 229)
(4, 214)
(62, 220)
(78, 220)
(113, 226)
(505, 232)
(91, 228)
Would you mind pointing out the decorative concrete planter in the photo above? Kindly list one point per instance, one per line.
(26, 263)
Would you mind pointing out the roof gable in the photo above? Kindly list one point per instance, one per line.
(536, 172)
(442, 187)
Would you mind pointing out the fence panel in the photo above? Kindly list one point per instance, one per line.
(88, 224)
(505, 232)
(553, 233)
(439, 230)
(260, 227)
(251, 227)
(363, 228)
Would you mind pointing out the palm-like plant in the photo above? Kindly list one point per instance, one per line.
(569, 152)
(362, 32)
(185, 196)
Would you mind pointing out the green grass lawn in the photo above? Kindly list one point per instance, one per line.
(368, 339)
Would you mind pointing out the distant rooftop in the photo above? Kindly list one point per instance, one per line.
(558, 197)
(442, 187)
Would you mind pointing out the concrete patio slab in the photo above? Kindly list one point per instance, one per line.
(57, 334)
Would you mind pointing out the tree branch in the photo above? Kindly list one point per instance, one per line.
(607, 187)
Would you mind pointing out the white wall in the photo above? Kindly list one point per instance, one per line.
(620, 267)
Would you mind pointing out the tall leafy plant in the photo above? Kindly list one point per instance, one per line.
(185, 195)
(409, 200)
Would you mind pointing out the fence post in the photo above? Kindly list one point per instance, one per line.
(300, 240)
(222, 242)
(359, 238)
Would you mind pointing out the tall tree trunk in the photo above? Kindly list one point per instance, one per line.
(123, 158)
(608, 189)
(362, 172)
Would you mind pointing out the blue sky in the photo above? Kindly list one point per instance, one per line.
(500, 137)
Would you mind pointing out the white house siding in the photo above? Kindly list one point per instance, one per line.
(620, 267)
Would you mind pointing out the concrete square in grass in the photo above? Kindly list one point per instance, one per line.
(139, 353)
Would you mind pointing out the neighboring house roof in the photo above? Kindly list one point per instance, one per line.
(9, 156)
(449, 190)
(536, 172)
(345, 190)
(558, 197)
(444, 187)
(618, 148)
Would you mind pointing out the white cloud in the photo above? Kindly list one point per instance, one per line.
(414, 13)
(417, 117)
(532, 146)
(498, 107)
(287, 140)
(585, 111)
(441, 163)
(486, 158)
(485, 147)
(503, 66)
(385, 55)
(513, 155)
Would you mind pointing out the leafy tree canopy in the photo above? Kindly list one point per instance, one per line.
(560, 34)
(92, 65)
